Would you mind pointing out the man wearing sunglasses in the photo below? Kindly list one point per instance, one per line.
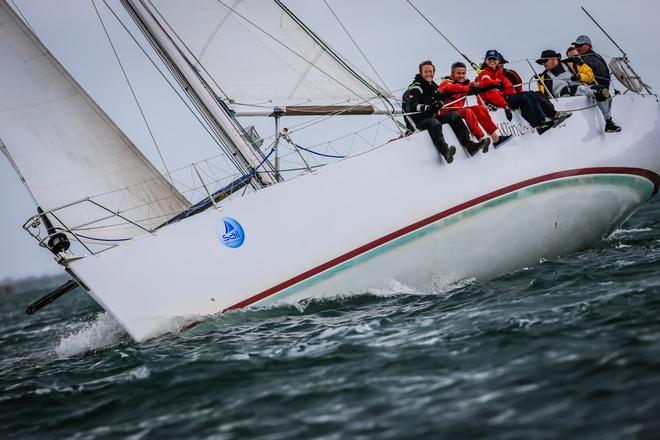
(561, 79)
(601, 72)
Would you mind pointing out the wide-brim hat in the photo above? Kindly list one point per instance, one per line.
(548, 54)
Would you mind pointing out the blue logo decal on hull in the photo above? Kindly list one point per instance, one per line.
(232, 235)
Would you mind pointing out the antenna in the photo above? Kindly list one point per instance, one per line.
(625, 56)
(605, 32)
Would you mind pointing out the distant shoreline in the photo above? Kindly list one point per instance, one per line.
(10, 286)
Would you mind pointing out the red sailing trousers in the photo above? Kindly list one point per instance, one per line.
(475, 115)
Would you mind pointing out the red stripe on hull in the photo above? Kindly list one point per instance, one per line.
(653, 177)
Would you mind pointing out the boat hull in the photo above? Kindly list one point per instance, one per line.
(395, 213)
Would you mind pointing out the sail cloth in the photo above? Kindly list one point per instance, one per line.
(257, 51)
(67, 149)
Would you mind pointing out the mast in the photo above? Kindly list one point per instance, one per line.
(227, 129)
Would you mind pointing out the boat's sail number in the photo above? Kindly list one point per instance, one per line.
(231, 233)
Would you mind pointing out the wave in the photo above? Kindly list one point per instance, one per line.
(102, 332)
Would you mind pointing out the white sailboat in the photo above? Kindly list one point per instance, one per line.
(157, 261)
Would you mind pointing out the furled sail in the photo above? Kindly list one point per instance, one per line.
(68, 150)
(257, 50)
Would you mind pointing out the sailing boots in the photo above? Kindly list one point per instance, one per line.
(611, 127)
(446, 151)
(474, 147)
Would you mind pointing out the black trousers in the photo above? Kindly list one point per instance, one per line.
(434, 127)
(547, 106)
(533, 106)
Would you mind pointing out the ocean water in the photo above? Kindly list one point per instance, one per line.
(565, 349)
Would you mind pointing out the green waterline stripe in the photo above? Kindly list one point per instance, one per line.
(639, 183)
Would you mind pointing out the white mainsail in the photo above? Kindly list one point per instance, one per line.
(272, 56)
(67, 149)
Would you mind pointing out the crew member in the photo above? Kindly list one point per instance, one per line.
(560, 79)
(456, 88)
(601, 73)
(422, 102)
(506, 96)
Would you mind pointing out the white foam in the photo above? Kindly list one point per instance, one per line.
(102, 332)
(620, 232)
(395, 288)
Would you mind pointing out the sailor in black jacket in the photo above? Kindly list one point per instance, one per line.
(601, 72)
(423, 102)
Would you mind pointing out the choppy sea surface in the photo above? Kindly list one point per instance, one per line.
(565, 349)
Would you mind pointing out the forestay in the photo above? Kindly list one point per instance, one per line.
(67, 149)
(256, 51)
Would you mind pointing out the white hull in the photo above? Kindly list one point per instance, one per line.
(397, 212)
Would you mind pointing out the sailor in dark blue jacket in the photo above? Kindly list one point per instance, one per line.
(601, 72)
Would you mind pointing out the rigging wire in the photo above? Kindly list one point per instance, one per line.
(130, 86)
(310, 63)
(198, 116)
(190, 52)
(474, 66)
(399, 126)
(23, 17)
(7, 154)
(357, 46)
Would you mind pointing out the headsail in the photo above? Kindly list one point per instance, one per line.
(272, 54)
(67, 149)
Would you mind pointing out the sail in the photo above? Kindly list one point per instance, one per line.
(257, 50)
(67, 149)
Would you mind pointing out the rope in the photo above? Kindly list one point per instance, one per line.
(289, 140)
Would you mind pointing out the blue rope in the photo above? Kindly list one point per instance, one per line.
(315, 152)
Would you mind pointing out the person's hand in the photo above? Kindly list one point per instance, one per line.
(508, 113)
(475, 90)
(500, 85)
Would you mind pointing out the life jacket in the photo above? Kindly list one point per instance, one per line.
(559, 81)
(515, 79)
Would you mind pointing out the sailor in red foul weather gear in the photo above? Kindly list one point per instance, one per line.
(457, 88)
(533, 108)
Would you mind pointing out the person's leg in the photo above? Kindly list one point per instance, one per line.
(527, 109)
(535, 101)
(472, 122)
(483, 117)
(547, 106)
(610, 125)
(463, 134)
(603, 106)
(434, 128)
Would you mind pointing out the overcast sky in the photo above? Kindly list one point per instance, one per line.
(390, 32)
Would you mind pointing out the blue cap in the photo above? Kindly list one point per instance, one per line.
(493, 54)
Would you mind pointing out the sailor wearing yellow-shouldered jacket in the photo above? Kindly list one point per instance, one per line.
(561, 79)
(577, 65)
